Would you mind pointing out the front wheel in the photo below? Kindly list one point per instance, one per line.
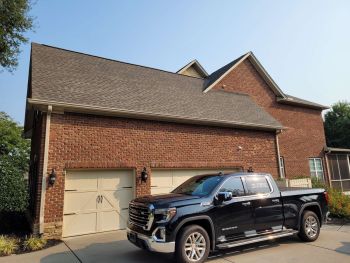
(310, 227)
(192, 245)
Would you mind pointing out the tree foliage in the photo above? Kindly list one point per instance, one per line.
(14, 22)
(14, 160)
(337, 125)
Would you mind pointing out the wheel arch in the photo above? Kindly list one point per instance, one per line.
(314, 207)
(203, 221)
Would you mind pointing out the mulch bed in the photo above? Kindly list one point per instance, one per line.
(15, 224)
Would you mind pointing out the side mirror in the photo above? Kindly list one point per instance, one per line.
(224, 197)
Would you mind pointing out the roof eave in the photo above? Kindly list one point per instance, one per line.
(302, 104)
(95, 110)
(333, 149)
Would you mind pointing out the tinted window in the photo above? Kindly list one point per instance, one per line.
(233, 185)
(257, 185)
(200, 185)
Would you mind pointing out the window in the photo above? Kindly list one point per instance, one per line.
(316, 168)
(233, 185)
(257, 185)
(282, 169)
(200, 185)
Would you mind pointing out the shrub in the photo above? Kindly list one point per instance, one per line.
(8, 245)
(33, 243)
(339, 203)
(14, 159)
(317, 183)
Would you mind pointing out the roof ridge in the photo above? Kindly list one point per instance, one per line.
(113, 60)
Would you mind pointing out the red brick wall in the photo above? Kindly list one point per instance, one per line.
(304, 134)
(82, 141)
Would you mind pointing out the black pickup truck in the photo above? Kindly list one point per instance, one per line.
(217, 211)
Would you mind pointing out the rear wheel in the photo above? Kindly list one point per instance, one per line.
(310, 227)
(192, 245)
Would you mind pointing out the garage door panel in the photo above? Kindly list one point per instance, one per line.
(80, 202)
(160, 178)
(79, 224)
(82, 180)
(166, 180)
(82, 196)
(117, 199)
(161, 190)
(112, 220)
(118, 179)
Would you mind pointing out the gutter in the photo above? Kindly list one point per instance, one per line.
(81, 108)
(44, 172)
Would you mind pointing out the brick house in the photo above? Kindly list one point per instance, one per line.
(96, 124)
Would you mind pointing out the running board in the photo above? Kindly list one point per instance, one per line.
(257, 239)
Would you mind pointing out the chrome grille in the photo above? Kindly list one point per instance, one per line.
(140, 215)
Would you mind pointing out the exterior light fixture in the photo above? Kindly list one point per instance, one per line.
(250, 170)
(52, 177)
(144, 175)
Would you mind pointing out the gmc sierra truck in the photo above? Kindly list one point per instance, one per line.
(218, 211)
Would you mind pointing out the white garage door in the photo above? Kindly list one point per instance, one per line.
(96, 201)
(166, 180)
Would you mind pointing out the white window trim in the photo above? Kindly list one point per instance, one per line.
(315, 168)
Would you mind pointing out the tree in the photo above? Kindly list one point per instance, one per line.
(14, 22)
(337, 125)
(14, 160)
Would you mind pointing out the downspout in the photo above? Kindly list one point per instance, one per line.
(43, 182)
(278, 153)
(327, 166)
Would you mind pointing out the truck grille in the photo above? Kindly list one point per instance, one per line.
(140, 215)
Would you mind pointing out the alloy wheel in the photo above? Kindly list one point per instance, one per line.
(195, 246)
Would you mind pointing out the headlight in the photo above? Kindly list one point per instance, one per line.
(164, 215)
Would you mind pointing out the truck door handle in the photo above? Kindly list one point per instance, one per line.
(275, 201)
(246, 203)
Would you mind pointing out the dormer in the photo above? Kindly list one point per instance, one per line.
(193, 69)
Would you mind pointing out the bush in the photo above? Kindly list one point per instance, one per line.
(33, 243)
(14, 159)
(317, 183)
(339, 203)
(8, 245)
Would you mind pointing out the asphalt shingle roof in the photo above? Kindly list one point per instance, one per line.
(64, 76)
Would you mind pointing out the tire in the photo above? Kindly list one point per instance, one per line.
(310, 227)
(192, 245)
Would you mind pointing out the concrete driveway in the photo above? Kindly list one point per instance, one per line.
(333, 245)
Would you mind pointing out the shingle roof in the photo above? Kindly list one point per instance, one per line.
(221, 71)
(65, 77)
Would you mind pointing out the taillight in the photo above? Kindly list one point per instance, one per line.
(326, 197)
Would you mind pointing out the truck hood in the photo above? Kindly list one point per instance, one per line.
(165, 200)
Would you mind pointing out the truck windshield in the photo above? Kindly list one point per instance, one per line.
(200, 185)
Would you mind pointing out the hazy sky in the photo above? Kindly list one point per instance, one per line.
(304, 45)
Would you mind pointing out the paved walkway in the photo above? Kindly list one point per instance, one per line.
(333, 245)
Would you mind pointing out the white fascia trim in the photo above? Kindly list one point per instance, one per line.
(227, 72)
(44, 172)
(149, 115)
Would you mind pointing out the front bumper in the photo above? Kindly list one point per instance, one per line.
(149, 242)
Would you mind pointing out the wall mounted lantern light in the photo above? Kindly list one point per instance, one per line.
(144, 175)
(52, 177)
